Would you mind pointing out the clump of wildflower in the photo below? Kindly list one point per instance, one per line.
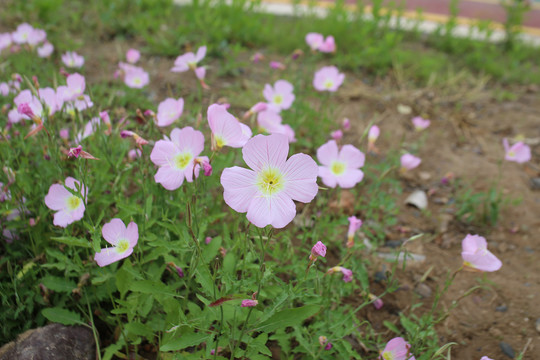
(267, 190)
(340, 167)
(476, 256)
(69, 207)
(122, 238)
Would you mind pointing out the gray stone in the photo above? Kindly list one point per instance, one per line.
(502, 308)
(507, 350)
(52, 342)
(423, 290)
(537, 325)
(535, 183)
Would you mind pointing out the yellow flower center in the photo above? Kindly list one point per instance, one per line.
(270, 181)
(338, 168)
(73, 202)
(182, 160)
(219, 142)
(278, 99)
(328, 84)
(511, 154)
(387, 355)
(137, 81)
(122, 246)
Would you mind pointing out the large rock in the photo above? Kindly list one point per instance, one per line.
(52, 342)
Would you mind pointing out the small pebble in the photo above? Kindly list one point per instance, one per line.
(380, 276)
(393, 243)
(528, 249)
(502, 308)
(423, 290)
(507, 350)
(535, 183)
(537, 325)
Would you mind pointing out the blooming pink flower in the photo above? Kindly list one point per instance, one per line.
(249, 303)
(23, 32)
(73, 60)
(347, 274)
(69, 207)
(89, 128)
(75, 85)
(134, 153)
(280, 96)
(189, 60)
(314, 40)
(397, 349)
(346, 124)
(226, 130)
(485, 358)
(132, 56)
(45, 50)
(49, 97)
(329, 45)
(354, 225)
(419, 123)
(340, 167)
(337, 135)
(409, 162)
(519, 152)
(122, 238)
(257, 57)
(5, 41)
(319, 249)
(270, 121)
(277, 65)
(328, 78)
(169, 110)
(476, 255)
(207, 240)
(37, 36)
(4, 89)
(30, 106)
(135, 77)
(14, 116)
(267, 191)
(175, 157)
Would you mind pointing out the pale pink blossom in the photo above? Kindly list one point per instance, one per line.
(4, 89)
(267, 190)
(337, 135)
(277, 65)
(29, 106)
(340, 167)
(75, 86)
(347, 274)
(37, 36)
(373, 135)
(45, 50)
(314, 40)
(249, 303)
(346, 124)
(397, 349)
(270, 121)
(354, 226)
(123, 239)
(134, 153)
(409, 162)
(319, 249)
(14, 116)
(476, 255)
(169, 110)
(189, 60)
(226, 129)
(329, 45)
(5, 41)
(519, 152)
(23, 32)
(377, 302)
(132, 56)
(72, 60)
(49, 97)
(280, 96)
(64, 134)
(135, 77)
(328, 78)
(200, 72)
(89, 128)
(419, 123)
(69, 207)
(175, 157)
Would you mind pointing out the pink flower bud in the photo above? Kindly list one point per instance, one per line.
(328, 346)
(337, 135)
(24, 109)
(75, 152)
(346, 124)
(64, 134)
(32, 222)
(377, 302)
(319, 249)
(249, 303)
(207, 240)
(104, 115)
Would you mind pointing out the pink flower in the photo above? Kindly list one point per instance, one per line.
(419, 123)
(207, 240)
(5, 41)
(277, 65)
(249, 303)
(175, 157)
(397, 349)
(45, 50)
(23, 32)
(319, 249)
(135, 77)
(485, 358)
(337, 135)
(226, 130)
(122, 238)
(189, 60)
(37, 36)
(270, 121)
(346, 124)
(75, 152)
(200, 72)
(267, 191)
(329, 45)
(340, 167)
(354, 225)
(169, 110)
(257, 57)
(347, 274)
(75, 85)
(73, 60)
(69, 207)
(409, 162)
(49, 97)
(314, 40)
(377, 302)
(89, 128)
(328, 78)
(476, 255)
(280, 96)
(373, 135)
(132, 56)
(30, 106)
(255, 109)
(519, 152)
(4, 89)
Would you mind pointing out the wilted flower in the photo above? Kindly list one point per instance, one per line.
(354, 225)
(69, 207)
(267, 191)
(347, 274)
(519, 152)
(409, 162)
(397, 349)
(122, 238)
(319, 249)
(419, 123)
(377, 302)
(476, 256)
(340, 167)
(328, 78)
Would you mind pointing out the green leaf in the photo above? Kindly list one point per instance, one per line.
(72, 241)
(137, 328)
(211, 250)
(288, 317)
(123, 281)
(184, 341)
(62, 316)
(152, 287)
(391, 326)
(58, 284)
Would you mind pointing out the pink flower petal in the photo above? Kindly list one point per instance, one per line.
(261, 151)
(350, 178)
(188, 139)
(113, 231)
(163, 153)
(352, 156)
(171, 179)
(278, 211)
(132, 234)
(328, 153)
(327, 177)
(56, 197)
(239, 186)
(301, 178)
(108, 256)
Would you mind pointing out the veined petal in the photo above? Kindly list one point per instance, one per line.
(163, 153)
(328, 178)
(132, 234)
(239, 187)
(110, 255)
(188, 139)
(353, 157)
(113, 231)
(327, 153)
(262, 151)
(350, 178)
(56, 198)
(482, 260)
(301, 178)
(62, 218)
(277, 210)
(170, 178)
